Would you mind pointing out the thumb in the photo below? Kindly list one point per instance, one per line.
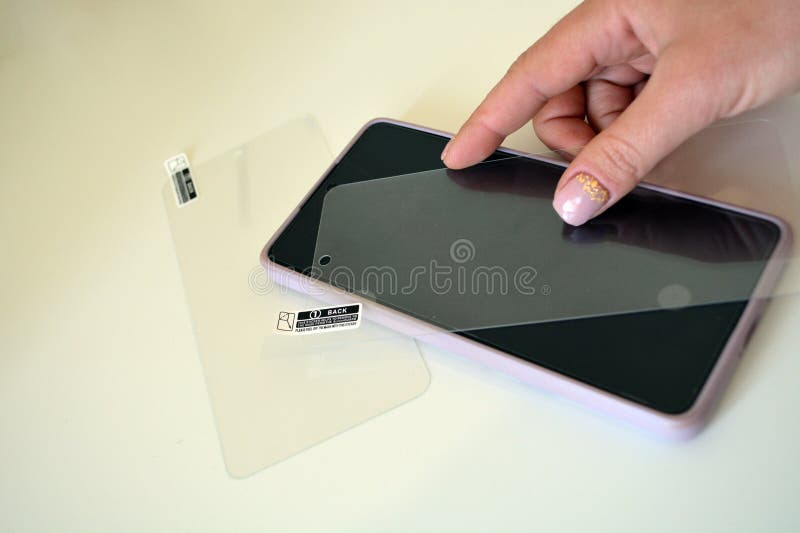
(662, 117)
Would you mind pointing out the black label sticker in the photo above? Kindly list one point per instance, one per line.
(320, 320)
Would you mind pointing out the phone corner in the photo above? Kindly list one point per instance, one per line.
(264, 257)
(686, 425)
(786, 240)
(375, 121)
(394, 122)
(683, 427)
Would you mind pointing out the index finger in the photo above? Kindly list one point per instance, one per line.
(591, 36)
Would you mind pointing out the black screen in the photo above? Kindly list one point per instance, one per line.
(659, 358)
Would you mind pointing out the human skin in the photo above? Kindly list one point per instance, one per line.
(629, 81)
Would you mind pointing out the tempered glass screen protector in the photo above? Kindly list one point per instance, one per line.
(482, 247)
(277, 385)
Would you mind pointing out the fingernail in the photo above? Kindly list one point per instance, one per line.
(580, 199)
(444, 152)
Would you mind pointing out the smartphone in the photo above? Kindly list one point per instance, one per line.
(660, 369)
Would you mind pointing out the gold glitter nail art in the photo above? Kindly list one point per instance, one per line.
(592, 187)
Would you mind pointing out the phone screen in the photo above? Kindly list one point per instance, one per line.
(659, 358)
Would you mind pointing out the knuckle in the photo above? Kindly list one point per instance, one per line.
(545, 131)
(520, 70)
(518, 66)
(538, 122)
(622, 160)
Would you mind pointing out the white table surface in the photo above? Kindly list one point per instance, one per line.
(105, 418)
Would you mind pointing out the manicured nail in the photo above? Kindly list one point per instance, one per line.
(580, 199)
(444, 152)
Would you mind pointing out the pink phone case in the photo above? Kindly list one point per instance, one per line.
(681, 426)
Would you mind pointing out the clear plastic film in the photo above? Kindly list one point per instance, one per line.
(275, 391)
(482, 247)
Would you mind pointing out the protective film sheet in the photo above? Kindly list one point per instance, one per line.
(274, 390)
(482, 247)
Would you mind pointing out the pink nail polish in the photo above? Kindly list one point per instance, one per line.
(580, 199)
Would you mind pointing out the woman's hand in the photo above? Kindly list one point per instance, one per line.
(629, 81)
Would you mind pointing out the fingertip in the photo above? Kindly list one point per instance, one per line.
(454, 162)
(452, 155)
(446, 154)
(471, 145)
